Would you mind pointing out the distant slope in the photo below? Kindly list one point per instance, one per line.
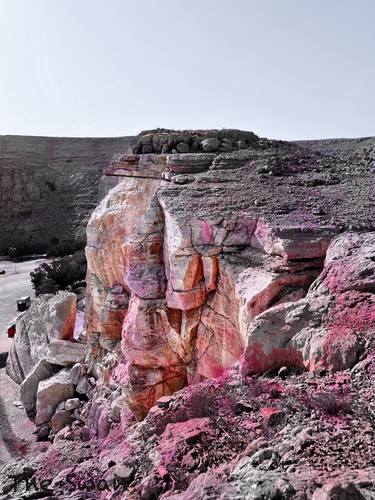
(49, 186)
(360, 145)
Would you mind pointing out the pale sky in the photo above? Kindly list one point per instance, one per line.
(291, 69)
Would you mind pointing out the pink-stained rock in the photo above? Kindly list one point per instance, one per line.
(60, 316)
(219, 342)
(176, 437)
(242, 294)
(113, 312)
(210, 272)
(259, 288)
(185, 272)
(235, 231)
(152, 345)
(187, 299)
(272, 416)
(191, 284)
(294, 242)
(150, 337)
(322, 330)
(124, 253)
(143, 386)
(104, 424)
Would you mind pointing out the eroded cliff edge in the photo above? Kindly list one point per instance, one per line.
(198, 260)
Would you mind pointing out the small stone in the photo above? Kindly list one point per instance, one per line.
(78, 414)
(85, 434)
(64, 434)
(272, 416)
(61, 419)
(182, 147)
(61, 406)
(72, 404)
(283, 372)
(193, 436)
(263, 455)
(164, 401)
(42, 433)
(124, 475)
(335, 491)
(84, 386)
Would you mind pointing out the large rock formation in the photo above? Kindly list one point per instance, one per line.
(230, 309)
(49, 187)
(192, 255)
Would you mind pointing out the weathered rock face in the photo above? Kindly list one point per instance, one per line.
(55, 175)
(324, 330)
(50, 317)
(198, 259)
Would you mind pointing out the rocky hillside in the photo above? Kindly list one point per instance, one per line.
(49, 187)
(228, 345)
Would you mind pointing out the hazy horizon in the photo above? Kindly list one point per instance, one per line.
(293, 70)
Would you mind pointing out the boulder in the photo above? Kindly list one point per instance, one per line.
(29, 387)
(322, 330)
(60, 419)
(65, 352)
(210, 145)
(72, 404)
(77, 371)
(84, 386)
(51, 392)
(50, 317)
(336, 490)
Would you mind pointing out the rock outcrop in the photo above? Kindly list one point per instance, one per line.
(194, 254)
(325, 329)
(229, 328)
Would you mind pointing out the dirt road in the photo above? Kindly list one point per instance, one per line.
(15, 283)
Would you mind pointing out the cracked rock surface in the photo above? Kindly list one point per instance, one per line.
(217, 252)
